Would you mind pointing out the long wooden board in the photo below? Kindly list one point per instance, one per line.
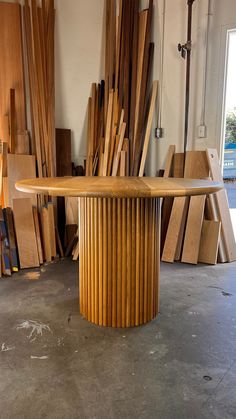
(174, 228)
(168, 201)
(196, 167)
(20, 167)
(63, 152)
(223, 206)
(193, 229)
(38, 235)
(209, 243)
(25, 233)
(148, 128)
(178, 165)
(11, 64)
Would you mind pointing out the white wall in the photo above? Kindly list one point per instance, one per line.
(79, 63)
(78, 60)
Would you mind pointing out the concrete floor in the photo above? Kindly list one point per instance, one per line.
(180, 366)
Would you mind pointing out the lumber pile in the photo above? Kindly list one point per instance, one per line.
(39, 39)
(28, 234)
(121, 107)
(196, 229)
(119, 112)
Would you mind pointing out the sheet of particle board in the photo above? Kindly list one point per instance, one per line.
(222, 206)
(20, 167)
(11, 64)
(25, 233)
(209, 243)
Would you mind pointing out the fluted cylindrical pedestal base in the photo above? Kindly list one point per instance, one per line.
(119, 260)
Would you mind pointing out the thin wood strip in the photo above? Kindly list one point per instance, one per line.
(100, 266)
(133, 259)
(128, 261)
(109, 262)
(148, 128)
(89, 250)
(146, 260)
(119, 262)
(93, 264)
(86, 255)
(108, 132)
(122, 163)
(96, 262)
(114, 262)
(12, 120)
(105, 263)
(141, 48)
(124, 262)
(117, 156)
(141, 261)
(46, 234)
(37, 232)
(137, 270)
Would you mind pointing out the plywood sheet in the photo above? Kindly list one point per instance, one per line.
(11, 64)
(209, 242)
(20, 167)
(25, 233)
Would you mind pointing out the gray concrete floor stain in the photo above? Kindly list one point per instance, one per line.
(182, 365)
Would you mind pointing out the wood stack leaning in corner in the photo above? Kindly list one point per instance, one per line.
(196, 229)
(122, 106)
(28, 223)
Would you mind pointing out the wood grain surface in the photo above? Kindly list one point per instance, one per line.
(122, 187)
(119, 260)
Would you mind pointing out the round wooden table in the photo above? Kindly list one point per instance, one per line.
(119, 235)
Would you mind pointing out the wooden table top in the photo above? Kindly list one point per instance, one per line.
(118, 187)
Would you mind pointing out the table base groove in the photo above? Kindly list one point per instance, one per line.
(119, 260)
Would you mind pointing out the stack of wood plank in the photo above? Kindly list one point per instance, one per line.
(39, 37)
(28, 229)
(119, 113)
(196, 229)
